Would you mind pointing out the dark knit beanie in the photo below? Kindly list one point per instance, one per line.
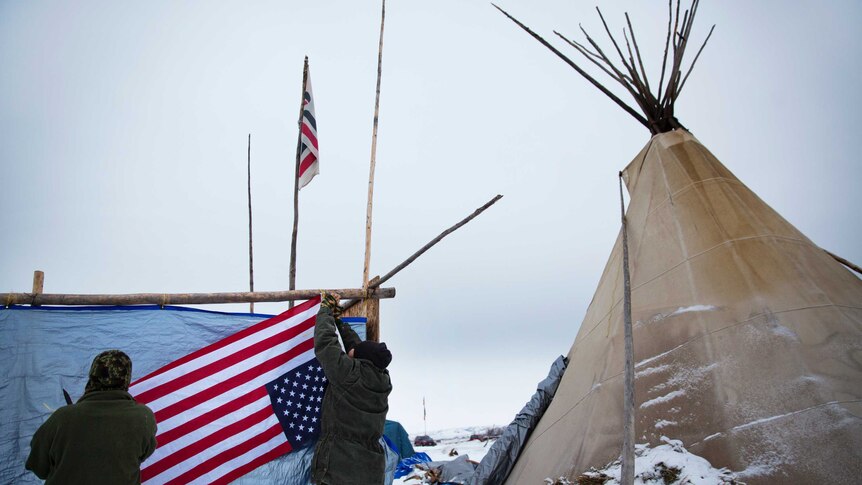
(377, 353)
(111, 370)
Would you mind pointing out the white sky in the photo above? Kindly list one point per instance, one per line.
(123, 132)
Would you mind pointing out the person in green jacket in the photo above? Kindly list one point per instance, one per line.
(354, 406)
(101, 439)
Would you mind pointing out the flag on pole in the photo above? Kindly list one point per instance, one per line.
(308, 155)
(234, 405)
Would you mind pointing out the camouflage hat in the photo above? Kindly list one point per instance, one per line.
(111, 370)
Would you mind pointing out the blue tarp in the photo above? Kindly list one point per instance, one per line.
(405, 467)
(43, 350)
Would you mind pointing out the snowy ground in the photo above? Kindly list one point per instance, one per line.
(669, 463)
(457, 439)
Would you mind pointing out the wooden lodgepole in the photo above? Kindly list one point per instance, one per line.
(627, 471)
(845, 262)
(292, 275)
(250, 245)
(380, 280)
(370, 309)
(35, 299)
(367, 263)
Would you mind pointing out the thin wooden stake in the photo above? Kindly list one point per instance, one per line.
(292, 275)
(628, 454)
(250, 245)
(666, 45)
(367, 263)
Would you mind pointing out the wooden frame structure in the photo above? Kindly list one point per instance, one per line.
(37, 298)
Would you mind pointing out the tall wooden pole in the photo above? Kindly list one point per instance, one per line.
(627, 473)
(373, 154)
(292, 278)
(250, 245)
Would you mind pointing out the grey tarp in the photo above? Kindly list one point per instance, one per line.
(455, 471)
(500, 459)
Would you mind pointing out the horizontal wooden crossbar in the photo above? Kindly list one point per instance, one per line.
(37, 299)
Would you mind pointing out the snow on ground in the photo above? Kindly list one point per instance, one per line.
(457, 439)
(669, 463)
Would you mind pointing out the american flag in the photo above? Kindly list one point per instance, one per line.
(308, 155)
(297, 398)
(234, 405)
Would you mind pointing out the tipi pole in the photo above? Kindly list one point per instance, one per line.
(845, 262)
(292, 275)
(628, 455)
(250, 246)
(373, 153)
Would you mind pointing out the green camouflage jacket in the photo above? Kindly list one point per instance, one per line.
(354, 410)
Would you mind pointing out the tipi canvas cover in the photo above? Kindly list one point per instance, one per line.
(747, 337)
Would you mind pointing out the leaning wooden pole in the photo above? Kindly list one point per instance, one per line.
(627, 474)
(162, 299)
(845, 262)
(376, 283)
(367, 264)
(250, 245)
(292, 275)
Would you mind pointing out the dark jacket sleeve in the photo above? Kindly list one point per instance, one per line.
(39, 461)
(150, 440)
(336, 364)
(348, 335)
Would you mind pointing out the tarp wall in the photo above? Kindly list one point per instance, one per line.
(46, 349)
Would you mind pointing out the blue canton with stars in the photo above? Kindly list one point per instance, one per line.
(297, 400)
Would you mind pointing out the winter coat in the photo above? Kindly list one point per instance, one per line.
(354, 410)
(102, 439)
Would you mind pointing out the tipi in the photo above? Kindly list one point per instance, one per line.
(747, 335)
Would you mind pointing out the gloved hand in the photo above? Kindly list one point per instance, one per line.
(330, 300)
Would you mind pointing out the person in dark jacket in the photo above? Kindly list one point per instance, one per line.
(103, 438)
(354, 406)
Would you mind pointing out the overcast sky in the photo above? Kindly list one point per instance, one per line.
(123, 131)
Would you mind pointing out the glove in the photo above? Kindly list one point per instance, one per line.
(330, 301)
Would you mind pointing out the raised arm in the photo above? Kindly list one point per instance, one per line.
(348, 335)
(336, 364)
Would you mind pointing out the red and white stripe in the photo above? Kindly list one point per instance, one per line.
(309, 158)
(214, 416)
